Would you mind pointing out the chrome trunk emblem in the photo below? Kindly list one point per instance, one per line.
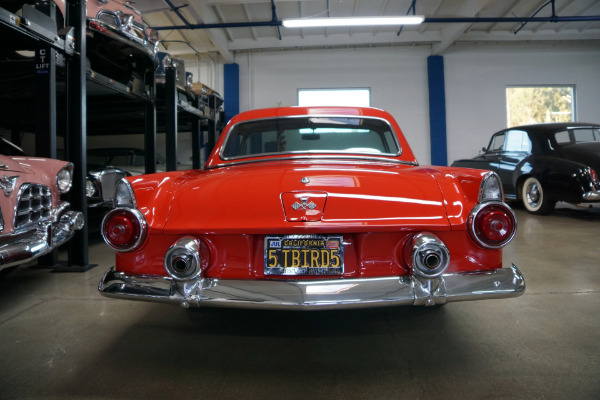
(304, 204)
(305, 180)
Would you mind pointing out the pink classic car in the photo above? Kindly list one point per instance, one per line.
(33, 219)
(311, 208)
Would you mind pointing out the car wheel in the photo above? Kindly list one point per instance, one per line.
(534, 198)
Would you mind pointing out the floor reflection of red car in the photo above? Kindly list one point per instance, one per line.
(311, 208)
(33, 219)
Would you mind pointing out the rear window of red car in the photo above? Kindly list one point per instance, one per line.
(349, 135)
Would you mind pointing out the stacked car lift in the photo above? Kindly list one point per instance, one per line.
(92, 105)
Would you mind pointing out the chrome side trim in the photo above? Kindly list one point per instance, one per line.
(316, 294)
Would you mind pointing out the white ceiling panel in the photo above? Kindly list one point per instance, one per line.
(229, 26)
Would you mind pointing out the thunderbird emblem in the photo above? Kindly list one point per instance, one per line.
(7, 184)
(304, 204)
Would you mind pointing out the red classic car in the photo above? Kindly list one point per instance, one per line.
(311, 208)
(33, 219)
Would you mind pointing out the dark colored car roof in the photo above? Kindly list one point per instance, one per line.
(552, 127)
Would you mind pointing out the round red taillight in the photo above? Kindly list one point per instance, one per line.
(492, 225)
(123, 229)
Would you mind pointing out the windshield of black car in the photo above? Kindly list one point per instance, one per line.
(577, 135)
(351, 135)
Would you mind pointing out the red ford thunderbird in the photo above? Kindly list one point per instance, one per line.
(311, 208)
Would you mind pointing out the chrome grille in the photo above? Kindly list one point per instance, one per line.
(108, 181)
(34, 204)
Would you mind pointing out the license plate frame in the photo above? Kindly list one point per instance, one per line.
(298, 255)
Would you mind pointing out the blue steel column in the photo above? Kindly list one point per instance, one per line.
(437, 110)
(232, 90)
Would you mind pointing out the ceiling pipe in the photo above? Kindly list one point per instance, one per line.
(175, 9)
(274, 17)
(538, 10)
(474, 20)
(413, 8)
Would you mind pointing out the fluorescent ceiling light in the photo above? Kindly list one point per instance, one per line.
(352, 21)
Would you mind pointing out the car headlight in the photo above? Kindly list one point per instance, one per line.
(167, 61)
(90, 188)
(64, 178)
(491, 188)
(124, 196)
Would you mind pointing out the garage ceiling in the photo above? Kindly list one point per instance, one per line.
(254, 25)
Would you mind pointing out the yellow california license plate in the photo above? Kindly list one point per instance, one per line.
(304, 255)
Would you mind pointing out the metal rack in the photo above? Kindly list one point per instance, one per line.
(73, 101)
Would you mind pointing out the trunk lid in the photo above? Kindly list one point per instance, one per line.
(282, 197)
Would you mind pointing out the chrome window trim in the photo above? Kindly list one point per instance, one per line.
(320, 157)
(233, 127)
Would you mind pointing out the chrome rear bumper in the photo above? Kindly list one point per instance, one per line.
(316, 294)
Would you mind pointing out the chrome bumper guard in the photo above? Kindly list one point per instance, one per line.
(145, 46)
(47, 236)
(592, 195)
(316, 294)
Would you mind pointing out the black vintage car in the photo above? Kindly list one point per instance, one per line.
(544, 163)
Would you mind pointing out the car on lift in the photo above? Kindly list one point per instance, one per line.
(33, 218)
(542, 164)
(120, 45)
(311, 208)
(183, 79)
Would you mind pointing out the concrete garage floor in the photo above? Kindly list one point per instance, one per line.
(60, 339)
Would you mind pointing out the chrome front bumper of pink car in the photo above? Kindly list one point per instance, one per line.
(316, 294)
(47, 236)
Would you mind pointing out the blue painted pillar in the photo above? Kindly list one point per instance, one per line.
(437, 110)
(232, 90)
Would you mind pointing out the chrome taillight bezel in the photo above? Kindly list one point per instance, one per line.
(137, 218)
(478, 211)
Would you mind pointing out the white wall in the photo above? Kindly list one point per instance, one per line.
(476, 79)
(206, 69)
(397, 77)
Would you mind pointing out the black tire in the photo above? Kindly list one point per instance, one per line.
(535, 200)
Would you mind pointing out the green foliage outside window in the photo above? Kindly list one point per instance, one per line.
(539, 104)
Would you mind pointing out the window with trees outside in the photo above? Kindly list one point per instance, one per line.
(539, 104)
